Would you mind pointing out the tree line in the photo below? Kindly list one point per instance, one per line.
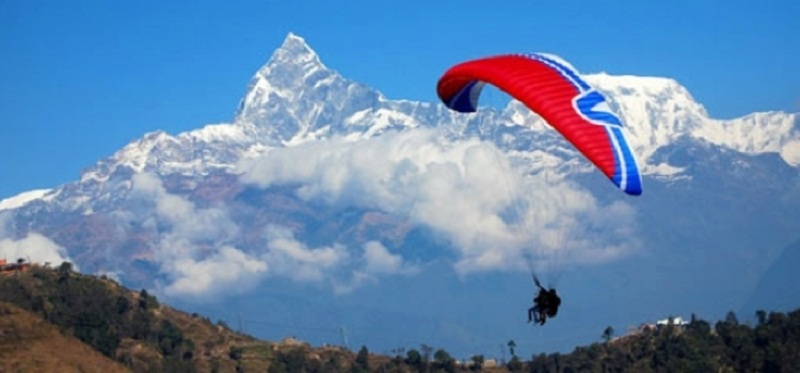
(104, 316)
(771, 345)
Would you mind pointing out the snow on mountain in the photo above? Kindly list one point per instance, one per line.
(295, 98)
(213, 146)
(658, 111)
(771, 132)
(292, 99)
(23, 198)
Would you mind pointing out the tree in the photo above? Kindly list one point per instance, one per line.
(143, 299)
(362, 360)
(65, 268)
(414, 358)
(444, 361)
(235, 353)
(293, 360)
(477, 362)
(123, 305)
(761, 315)
(170, 338)
(608, 333)
(515, 365)
(730, 318)
(426, 352)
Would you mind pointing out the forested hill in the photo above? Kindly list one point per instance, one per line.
(134, 330)
(772, 345)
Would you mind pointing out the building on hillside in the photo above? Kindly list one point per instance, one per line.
(20, 265)
(677, 321)
(649, 327)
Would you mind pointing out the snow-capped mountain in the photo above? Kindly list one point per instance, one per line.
(321, 189)
(294, 98)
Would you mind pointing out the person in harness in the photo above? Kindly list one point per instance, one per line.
(544, 305)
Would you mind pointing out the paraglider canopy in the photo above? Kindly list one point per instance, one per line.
(554, 90)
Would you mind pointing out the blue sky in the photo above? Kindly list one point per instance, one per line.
(82, 79)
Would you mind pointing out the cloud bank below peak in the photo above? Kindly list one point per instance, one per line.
(495, 217)
(195, 250)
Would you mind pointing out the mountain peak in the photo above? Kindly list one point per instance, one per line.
(295, 42)
(295, 95)
(294, 50)
(646, 87)
(292, 68)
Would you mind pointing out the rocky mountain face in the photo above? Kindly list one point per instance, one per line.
(322, 195)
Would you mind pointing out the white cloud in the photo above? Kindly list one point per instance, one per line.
(335, 265)
(34, 247)
(376, 261)
(293, 259)
(182, 218)
(791, 152)
(468, 191)
(192, 246)
(379, 261)
(227, 271)
(496, 218)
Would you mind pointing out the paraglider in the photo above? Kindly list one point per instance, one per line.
(553, 89)
(544, 305)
